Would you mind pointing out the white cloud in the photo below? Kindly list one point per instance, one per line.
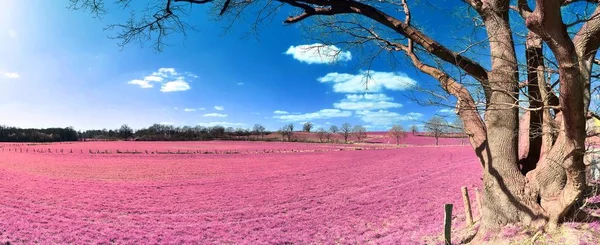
(189, 74)
(386, 118)
(141, 83)
(373, 81)
(165, 72)
(224, 124)
(12, 33)
(9, 75)
(328, 123)
(167, 123)
(172, 81)
(215, 115)
(318, 53)
(240, 84)
(446, 111)
(175, 86)
(190, 109)
(322, 114)
(366, 102)
(280, 112)
(153, 79)
(219, 108)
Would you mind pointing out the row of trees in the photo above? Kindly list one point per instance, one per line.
(161, 132)
(345, 130)
(14, 134)
(437, 127)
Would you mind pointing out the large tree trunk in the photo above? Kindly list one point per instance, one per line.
(560, 177)
(505, 197)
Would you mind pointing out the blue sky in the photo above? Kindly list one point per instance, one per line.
(58, 68)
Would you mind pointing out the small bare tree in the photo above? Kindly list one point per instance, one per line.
(328, 136)
(321, 134)
(397, 132)
(289, 131)
(307, 126)
(360, 132)
(458, 129)
(413, 129)
(345, 131)
(259, 130)
(334, 129)
(437, 127)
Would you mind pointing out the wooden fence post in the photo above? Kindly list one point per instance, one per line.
(478, 201)
(467, 204)
(447, 223)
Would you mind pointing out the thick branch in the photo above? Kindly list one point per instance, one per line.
(340, 7)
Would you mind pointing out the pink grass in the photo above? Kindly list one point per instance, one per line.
(391, 196)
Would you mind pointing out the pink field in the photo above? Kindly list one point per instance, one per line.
(382, 196)
(382, 137)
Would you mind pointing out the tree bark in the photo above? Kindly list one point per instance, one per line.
(505, 199)
(561, 178)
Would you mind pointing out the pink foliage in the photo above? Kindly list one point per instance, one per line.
(384, 138)
(387, 196)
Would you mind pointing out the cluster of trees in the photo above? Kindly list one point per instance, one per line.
(161, 132)
(14, 134)
(345, 130)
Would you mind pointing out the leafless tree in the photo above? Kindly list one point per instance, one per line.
(413, 129)
(552, 85)
(458, 128)
(345, 131)
(359, 132)
(437, 127)
(321, 133)
(334, 129)
(397, 132)
(307, 126)
(290, 131)
(259, 130)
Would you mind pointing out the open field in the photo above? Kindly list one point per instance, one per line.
(378, 196)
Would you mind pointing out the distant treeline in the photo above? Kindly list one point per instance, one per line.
(156, 132)
(13, 134)
(160, 132)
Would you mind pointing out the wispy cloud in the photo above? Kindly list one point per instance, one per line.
(366, 102)
(9, 75)
(371, 81)
(167, 123)
(171, 80)
(215, 115)
(219, 108)
(224, 124)
(446, 111)
(322, 114)
(386, 118)
(192, 109)
(240, 84)
(280, 112)
(318, 53)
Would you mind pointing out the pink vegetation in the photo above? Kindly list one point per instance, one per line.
(388, 196)
(383, 137)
